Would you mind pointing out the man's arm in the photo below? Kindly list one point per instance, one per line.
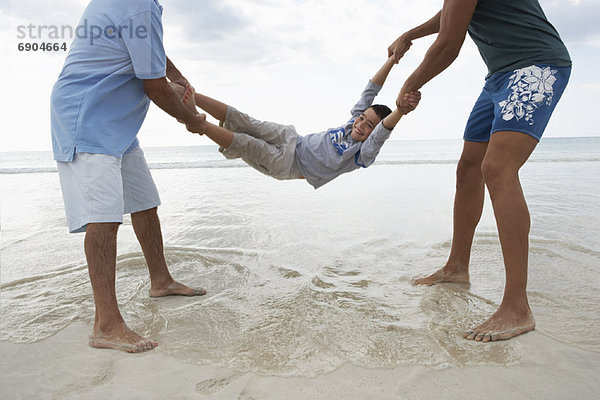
(404, 41)
(174, 75)
(454, 22)
(161, 93)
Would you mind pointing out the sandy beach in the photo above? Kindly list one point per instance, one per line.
(64, 367)
(253, 288)
(309, 292)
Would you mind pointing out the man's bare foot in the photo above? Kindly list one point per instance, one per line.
(121, 338)
(176, 289)
(503, 324)
(443, 276)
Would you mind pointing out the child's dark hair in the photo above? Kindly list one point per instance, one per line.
(381, 110)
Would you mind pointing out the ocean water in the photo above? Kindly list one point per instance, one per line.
(302, 281)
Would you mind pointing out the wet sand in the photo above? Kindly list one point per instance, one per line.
(299, 312)
(65, 367)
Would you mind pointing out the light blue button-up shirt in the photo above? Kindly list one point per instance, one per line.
(98, 103)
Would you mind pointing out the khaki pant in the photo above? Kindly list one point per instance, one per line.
(266, 146)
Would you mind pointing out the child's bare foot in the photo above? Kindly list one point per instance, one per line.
(188, 96)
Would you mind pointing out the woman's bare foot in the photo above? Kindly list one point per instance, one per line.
(176, 289)
(444, 275)
(503, 324)
(120, 337)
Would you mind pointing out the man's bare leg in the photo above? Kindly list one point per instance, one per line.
(468, 206)
(147, 229)
(507, 152)
(110, 330)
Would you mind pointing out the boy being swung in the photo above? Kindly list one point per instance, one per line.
(278, 151)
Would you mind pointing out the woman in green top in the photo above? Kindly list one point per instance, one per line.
(529, 67)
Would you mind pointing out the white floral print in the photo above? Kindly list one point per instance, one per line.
(531, 89)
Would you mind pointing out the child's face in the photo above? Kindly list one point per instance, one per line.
(364, 125)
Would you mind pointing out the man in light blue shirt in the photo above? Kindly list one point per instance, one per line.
(116, 65)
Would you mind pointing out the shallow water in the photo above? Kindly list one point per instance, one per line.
(301, 281)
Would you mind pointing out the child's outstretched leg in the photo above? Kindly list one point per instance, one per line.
(270, 132)
(214, 107)
(265, 146)
(219, 135)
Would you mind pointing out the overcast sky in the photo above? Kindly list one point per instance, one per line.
(300, 62)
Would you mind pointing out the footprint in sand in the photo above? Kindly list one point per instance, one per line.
(210, 386)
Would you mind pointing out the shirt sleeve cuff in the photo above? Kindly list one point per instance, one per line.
(381, 133)
(156, 75)
(374, 86)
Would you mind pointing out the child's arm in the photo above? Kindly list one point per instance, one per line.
(381, 75)
(391, 120)
(370, 147)
(373, 88)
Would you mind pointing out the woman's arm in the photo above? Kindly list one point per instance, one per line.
(454, 21)
(392, 119)
(402, 44)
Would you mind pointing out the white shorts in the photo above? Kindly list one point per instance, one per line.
(101, 188)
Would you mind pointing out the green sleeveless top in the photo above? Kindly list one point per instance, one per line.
(512, 34)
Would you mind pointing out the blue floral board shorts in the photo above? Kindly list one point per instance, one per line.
(520, 101)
